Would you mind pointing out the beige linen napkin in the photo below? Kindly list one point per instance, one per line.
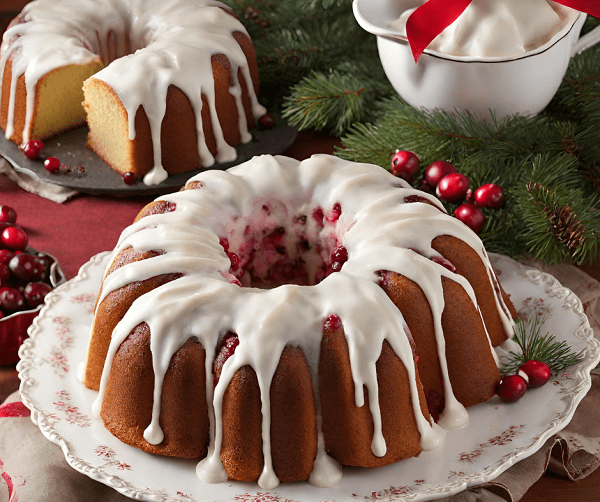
(55, 193)
(34, 469)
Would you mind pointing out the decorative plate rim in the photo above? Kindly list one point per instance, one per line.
(551, 287)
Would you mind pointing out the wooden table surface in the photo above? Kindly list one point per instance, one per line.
(549, 488)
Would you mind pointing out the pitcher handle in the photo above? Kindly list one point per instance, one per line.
(586, 41)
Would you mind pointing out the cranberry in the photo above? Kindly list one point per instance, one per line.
(41, 273)
(14, 238)
(537, 373)
(24, 267)
(234, 259)
(511, 388)
(226, 349)
(224, 242)
(318, 216)
(436, 171)
(453, 187)
(11, 299)
(471, 216)
(405, 165)
(44, 261)
(6, 255)
(52, 165)
(440, 260)
(7, 214)
(35, 292)
(339, 256)
(489, 195)
(129, 178)
(5, 274)
(332, 323)
(335, 214)
(266, 121)
(32, 148)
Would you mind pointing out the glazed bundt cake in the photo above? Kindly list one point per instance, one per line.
(170, 85)
(281, 318)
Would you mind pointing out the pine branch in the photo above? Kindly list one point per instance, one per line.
(559, 224)
(537, 347)
(435, 135)
(316, 102)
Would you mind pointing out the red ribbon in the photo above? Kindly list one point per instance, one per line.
(431, 18)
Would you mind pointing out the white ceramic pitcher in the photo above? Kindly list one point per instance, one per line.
(522, 85)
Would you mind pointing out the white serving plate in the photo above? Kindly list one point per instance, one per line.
(497, 436)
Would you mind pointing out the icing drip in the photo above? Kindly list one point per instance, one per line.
(327, 471)
(148, 45)
(379, 231)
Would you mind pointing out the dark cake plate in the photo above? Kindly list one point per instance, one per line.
(99, 179)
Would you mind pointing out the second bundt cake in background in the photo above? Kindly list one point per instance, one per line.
(177, 91)
(282, 318)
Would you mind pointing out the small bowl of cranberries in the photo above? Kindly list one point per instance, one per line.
(26, 277)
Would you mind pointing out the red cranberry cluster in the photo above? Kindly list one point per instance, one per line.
(530, 375)
(24, 275)
(450, 186)
(33, 150)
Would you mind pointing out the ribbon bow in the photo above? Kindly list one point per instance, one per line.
(431, 18)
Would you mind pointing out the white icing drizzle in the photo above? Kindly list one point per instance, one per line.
(148, 45)
(376, 227)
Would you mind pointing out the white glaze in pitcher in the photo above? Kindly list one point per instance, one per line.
(484, 86)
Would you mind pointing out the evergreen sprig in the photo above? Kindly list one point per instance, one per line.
(316, 102)
(565, 222)
(294, 38)
(538, 347)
